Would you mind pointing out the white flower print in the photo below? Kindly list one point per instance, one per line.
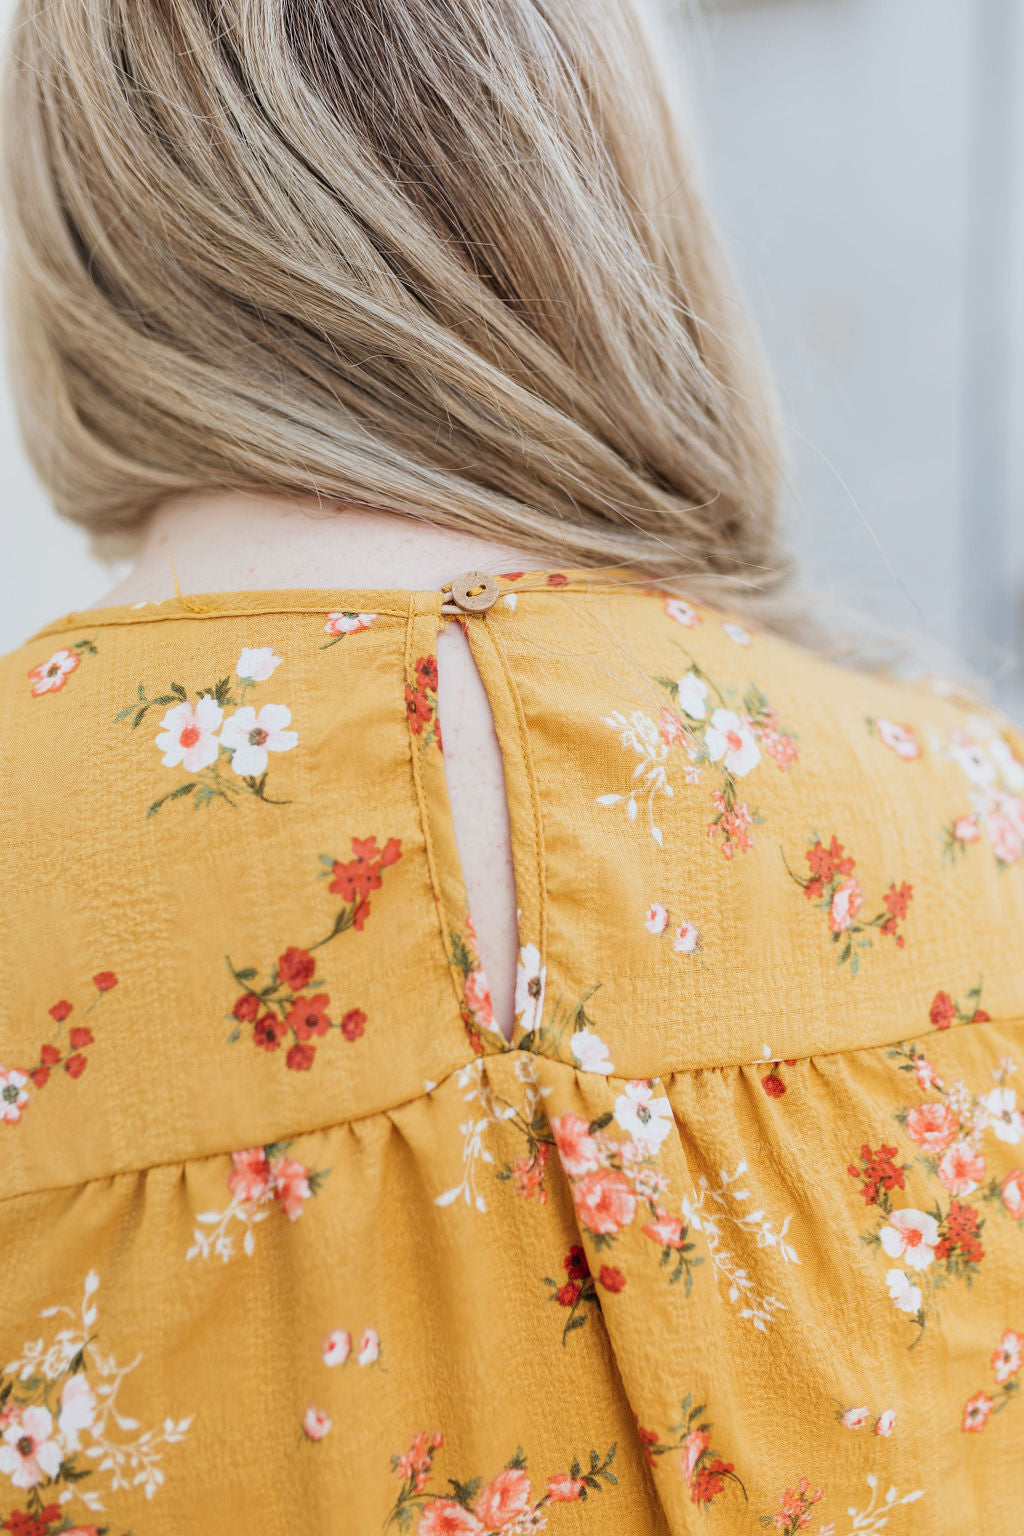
(1009, 1352)
(187, 734)
(1001, 1113)
(645, 1118)
(683, 612)
(51, 675)
(640, 734)
(250, 737)
(369, 1347)
(77, 1410)
(900, 738)
(28, 1454)
(904, 1293)
(854, 1418)
(885, 1423)
(590, 1051)
(657, 918)
(315, 1423)
(336, 1348)
(873, 1520)
(1010, 768)
(692, 694)
(256, 665)
(731, 738)
(687, 939)
(912, 1236)
(737, 633)
(12, 1095)
(529, 1000)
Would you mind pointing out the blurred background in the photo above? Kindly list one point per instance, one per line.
(865, 160)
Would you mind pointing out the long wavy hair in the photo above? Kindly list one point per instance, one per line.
(445, 257)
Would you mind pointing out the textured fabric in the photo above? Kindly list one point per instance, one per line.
(291, 1240)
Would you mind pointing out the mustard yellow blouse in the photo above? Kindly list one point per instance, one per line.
(292, 1241)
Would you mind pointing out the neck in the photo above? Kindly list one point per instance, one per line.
(226, 541)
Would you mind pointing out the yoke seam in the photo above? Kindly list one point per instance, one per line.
(605, 1077)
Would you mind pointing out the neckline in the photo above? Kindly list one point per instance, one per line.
(396, 601)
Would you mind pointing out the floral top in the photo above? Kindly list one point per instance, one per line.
(730, 1233)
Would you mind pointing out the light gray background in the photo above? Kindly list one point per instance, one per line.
(866, 161)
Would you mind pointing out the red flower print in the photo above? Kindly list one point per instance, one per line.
(1012, 1191)
(444, 1517)
(362, 873)
(426, 672)
(60, 1011)
(942, 1011)
(576, 1264)
(556, 579)
(980, 1017)
(105, 981)
(773, 1085)
(291, 1182)
(605, 1200)
(75, 1066)
(667, 1231)
(269, 1032)
(353, 1024)
(879, 1174)
(247, 1008)
(569, 1293)
(976, 1412)
(648, 1437)
(563, 1489)
(961, 1234)
(49, 1055)
(418, 706)
(826, 864)
(250, 1177)
(23, 1524)
(612, 1279)
(308, 1016)
(296, 968)
(709, 1481)
(80, 1038)
(933, 1125)
(510, 575)
(300, 1057)
(40, 1076)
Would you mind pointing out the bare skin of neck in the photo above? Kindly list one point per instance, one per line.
(234, 542)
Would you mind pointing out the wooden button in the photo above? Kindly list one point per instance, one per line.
(472, 592)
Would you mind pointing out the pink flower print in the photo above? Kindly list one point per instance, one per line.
(686, 939)
(605, 1201)
(933, 1125)
(1012, 1191)
(478, 998)
(504, 1499)
(291, 1185)
(28, 1455)
(315, 1423)
(900, 738)
(730, 738)
(925, 1074)
(250, 1178)
(444, 1517)
(683, 612)
(576, 1147)
(966, 829)
(1006, 1361)
(13, 1097)
(656, 920)
(187, 734)
(255, 666)
(336, 1348)
(348, 623)
(251, 737)
(962, 1168)
(886, 1422)
(694, 1446)
(50, 676)
(667, 1231)
(912, 1236)
(846, 903)
(563, 1489)
(854, 1418)
(1004, 832)
(369, 1347)
(976, 1412)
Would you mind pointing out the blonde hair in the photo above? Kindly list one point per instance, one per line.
(440, 256)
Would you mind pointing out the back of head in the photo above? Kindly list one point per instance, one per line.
(441, 256)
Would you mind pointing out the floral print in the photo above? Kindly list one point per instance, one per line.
(685, 936)
(288, 1005)
(720, 734)
(262, 1180)
(994, 813)
(1006, 1364)
(345, 623)
(475, 1508)
(50, 675)
(834, 889)
(901, 739)
(421, 702)
(476, 1008)
(64, 1439)
(59, 1053)
(189, 739)
(857, 1418)
(488, 1110)
(704, 1471)
(337, 1348)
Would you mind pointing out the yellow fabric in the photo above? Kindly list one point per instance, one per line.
(730, 1235)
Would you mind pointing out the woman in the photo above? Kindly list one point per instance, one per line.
(399, 331)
